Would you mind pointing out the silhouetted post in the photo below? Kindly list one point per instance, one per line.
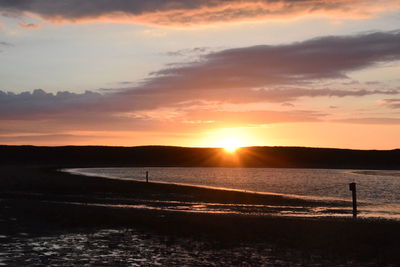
(147, 176)
(352, 187)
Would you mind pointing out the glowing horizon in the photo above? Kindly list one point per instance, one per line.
(201, 74)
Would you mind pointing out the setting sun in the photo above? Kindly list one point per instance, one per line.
(230, 144)
(230, 139)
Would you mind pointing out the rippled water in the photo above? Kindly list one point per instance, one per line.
(377, 191)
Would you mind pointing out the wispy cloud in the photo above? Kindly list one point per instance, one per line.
(30, 26)
(380, 120)
(45, 138)
(2, 43)
(5, 44)
(392, 103)
(190, 12)
(253, 117)
(196, 51)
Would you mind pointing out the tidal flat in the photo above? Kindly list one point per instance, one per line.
(54, 218)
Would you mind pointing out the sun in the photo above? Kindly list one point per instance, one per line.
(231, 144)
(229, 139)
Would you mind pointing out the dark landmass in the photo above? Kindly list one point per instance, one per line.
(274, 157)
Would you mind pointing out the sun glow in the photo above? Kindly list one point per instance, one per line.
(231, 139)
(231, 144)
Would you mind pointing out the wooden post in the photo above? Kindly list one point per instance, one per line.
(352, 187)
(147, 176)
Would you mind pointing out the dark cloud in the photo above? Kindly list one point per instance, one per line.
(41, 103)
(327, 57)
(270, 73)
(186, 12)
(264, 73)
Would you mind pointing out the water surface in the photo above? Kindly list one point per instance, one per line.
(377, 191)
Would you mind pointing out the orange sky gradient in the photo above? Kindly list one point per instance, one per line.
(196, 73)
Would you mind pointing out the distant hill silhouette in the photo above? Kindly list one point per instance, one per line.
(277, 157)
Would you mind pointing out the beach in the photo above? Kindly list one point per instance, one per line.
(40, 202)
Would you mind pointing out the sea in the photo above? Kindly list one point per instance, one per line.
(378, 191)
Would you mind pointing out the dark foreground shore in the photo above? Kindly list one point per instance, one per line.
(39, 205)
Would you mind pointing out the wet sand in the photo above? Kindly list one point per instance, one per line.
(38, 202)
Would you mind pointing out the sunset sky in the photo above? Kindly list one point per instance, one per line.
(320, 73)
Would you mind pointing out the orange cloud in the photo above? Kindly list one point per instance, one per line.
(191, 12)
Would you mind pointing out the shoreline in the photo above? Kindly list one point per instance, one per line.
(26, 208)
(318, 199)
(378, 172)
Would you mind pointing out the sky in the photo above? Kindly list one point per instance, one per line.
(200, 73)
